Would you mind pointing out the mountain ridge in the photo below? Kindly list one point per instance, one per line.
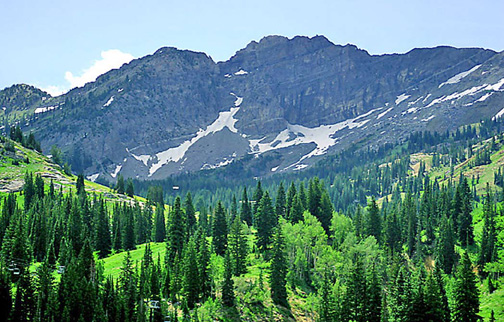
(179, 111)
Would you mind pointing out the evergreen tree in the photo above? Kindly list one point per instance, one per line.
(291, 194)
(297, 210)
(487, 252)
(119, 187)
(374, 302)
(464, 218)
(280, 202)
(465, 293)
(190, 212)
(265, 222)
(445, 246)
(228, 297)
(176, 231)
(327, 304)
(130, 188)
(203, 267)
(103, 242)
(373, 220)
(238, 247)
(245, 211)
(80, 184)
(258, 194)
(5, 297)
(357, 295)
(278, 271)
(325, 211)
(190, 279)
(159, 224)
(219, 230)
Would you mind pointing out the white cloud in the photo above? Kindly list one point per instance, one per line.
(111, 59)
(55, 90)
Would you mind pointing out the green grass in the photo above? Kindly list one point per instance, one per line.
(112, 264)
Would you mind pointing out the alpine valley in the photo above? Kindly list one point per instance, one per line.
(291, 101)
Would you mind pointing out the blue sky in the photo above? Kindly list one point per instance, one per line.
(61, 44)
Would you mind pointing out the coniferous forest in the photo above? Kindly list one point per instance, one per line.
(411, 232)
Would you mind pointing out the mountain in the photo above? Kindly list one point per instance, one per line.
(292, 101)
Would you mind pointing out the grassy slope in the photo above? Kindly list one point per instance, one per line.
(12, 175)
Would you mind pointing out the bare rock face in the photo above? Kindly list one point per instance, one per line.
(300, 99)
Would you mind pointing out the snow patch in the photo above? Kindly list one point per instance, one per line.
(227, 75)
(498, 115)
(383, 113)
(428, 118)
(455, 79)
(116, 171)
(274, 169)
(39, 110)
(111, 99)
(401, 98)
(120, 90)
(241, 72)
(300, 167)
(93, 177)
(238, 100)
(495, 87)
(321, 136)
(225, 119)
(484, 97)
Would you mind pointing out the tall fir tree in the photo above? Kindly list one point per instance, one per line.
(280, 201)
(159, 224)
(465, 295)
(228, 296)
(278, 270)
(219, 230)
(176, 231)
(245, 210)
(238, 247)
(265, 221)
(373, 220)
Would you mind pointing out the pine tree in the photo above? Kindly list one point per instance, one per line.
(228, 297)
(203, 267)
(5, 297)
(464, 218)
(103, 242)
(465, 293)
(238, 247)
(373, 220)
(264, 222)
(219, 230)
(325, 211)
(120, 184)
(245, 211)
(278, 271)
(327, 303)
(130, 188)
(190, 279)
(374, 297)
(291, 194)
(159, 224)
(445, 246)
(357, 295)
(257, 196)
(190, 212)
(297, 210)
(80, 184)
(176, 231)
(280, 202)
(489, 236)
